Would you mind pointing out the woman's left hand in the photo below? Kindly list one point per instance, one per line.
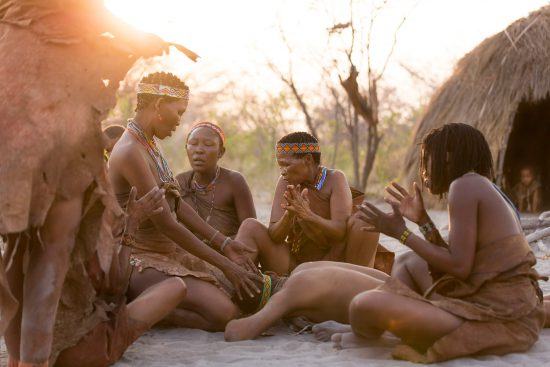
(239, 253)
(298, 202)
(390, 224)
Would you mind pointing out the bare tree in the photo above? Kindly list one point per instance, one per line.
(288, 79)
(364, 101)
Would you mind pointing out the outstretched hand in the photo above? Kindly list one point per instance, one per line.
(390, 224)
(138, 211)
(410, 206)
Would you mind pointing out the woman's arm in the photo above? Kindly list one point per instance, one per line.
(333, 230)
(456, 260)
(135, 170)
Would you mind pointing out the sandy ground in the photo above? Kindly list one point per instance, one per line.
(184, 347)
(175, 347)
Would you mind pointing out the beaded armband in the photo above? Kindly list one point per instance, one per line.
(405, 236)
(427, 228)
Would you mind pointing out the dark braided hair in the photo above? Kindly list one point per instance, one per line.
(169, 79)
(454, 150)
(302, 137)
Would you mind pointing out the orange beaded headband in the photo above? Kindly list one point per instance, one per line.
(163, 90)
(298, 148)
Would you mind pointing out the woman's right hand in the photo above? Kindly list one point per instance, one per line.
(410, 206)
(242, 280)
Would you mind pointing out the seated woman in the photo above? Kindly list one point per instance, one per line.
(220, 196)
(309, 215)
(165, 246)
(482, 294)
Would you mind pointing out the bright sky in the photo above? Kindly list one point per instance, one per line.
(236, 38)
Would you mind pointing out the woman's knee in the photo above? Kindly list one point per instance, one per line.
(370, 304)
(251, 225)
(177, 287)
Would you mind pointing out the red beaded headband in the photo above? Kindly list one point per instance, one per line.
(298, 148)
(218, 130)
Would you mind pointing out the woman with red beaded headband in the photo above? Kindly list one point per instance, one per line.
(310, 216)
(176, 242)
(219, 195)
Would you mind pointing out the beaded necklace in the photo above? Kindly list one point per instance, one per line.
(320, 179)
(204, 190)
(164, 172)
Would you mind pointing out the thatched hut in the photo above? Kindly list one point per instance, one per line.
(501, 87)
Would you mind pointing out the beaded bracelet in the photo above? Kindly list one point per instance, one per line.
(405, 236)
(427, 228)
(225, 242)
(209, 242)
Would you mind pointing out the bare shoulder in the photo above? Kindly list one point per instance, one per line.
(234, 177)
(125, 151)
(338, 177)
(468, 187)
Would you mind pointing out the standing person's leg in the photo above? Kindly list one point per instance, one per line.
(14, 258)
(419, 324)
(205, 306)
(547, 310)
(48, 265)
(273, 256)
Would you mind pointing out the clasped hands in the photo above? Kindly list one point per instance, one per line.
(296, 203)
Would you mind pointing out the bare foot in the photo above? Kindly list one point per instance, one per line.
(349, 340)
(324, 330)
(239, 329)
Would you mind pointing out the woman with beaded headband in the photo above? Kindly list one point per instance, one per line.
(310, 213)
(219, 195)
(214, 268)
(476, 293)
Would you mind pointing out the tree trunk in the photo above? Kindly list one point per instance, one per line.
(373, 140)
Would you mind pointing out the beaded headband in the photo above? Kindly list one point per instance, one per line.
(218, 130)
(163, 90)
(298, 148)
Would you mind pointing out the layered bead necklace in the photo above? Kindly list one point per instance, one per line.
(203, 190)
(164, 172)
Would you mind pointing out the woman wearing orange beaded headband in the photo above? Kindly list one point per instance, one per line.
(310, 212)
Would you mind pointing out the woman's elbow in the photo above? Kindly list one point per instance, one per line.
(461, 272)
